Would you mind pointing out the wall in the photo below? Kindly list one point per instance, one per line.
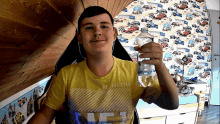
(213, 4)
(175, 32)
(21, 103)
(215, 91)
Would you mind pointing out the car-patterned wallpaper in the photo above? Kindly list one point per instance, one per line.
(180, 27)
(17, 111)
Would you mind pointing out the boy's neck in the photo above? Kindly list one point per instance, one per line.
(100, 66)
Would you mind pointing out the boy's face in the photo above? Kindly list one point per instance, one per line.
(97, 34)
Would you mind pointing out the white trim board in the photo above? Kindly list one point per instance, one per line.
(17, 95)
(212, 4)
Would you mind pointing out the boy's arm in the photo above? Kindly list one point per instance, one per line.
(169, 96)
(44, 116)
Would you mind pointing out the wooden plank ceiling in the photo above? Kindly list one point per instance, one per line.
(34, 34)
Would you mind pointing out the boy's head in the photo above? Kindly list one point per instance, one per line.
(93, 11)
(95, 31)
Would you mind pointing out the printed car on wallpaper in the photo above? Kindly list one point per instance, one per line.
(189, 16)
(159, 15)
(175, 24)
(173, 37)
(4, 120)
(182, 5)
(30, 106)
(118, 20)
(150, 24)
(177, 52)
(167, 27)
(131, 29)
(167, 57)
(191, 71)
(11, 111)
(122, 39)
(22, 101)
(19, 118)
(199, 30)
(175, 13)
(137, 23)
(208, 32)
(205, 9)
(191, 43)
(137, 10)
(204, 74)
(179, 41)
(204, 49)
(198, 67)
(209, 58)
(164, 1)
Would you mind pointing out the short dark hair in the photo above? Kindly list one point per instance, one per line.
(93, 11)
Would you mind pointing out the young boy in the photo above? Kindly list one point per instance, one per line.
(103, 88)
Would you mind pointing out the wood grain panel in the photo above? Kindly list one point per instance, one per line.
(6, 61)
(18, 79)
(116, 6)
(10, 67)
(5, 81)
(35, 13)
(11, 91)
(14, 34)
(29, 65)
(127, 3)
(110, 5)
(88, 3)
(14, 52)
(7, 73)
(51, 40)
(44, 42)
(123, 4)
(33, 56)
(18, 11)
(69, 9)
(103, 3)
(38, 75)
(13, 82)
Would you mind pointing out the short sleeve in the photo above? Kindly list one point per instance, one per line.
(56, 95)
(151, 93)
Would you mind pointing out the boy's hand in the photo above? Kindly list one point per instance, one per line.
(151, 50)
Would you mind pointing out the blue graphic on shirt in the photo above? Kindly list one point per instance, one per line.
(75, 117)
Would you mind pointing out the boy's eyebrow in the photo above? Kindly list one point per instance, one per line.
(92, 23)
(105, 23)
(86, 24)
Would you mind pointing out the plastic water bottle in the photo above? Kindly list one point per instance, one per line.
(146, 72)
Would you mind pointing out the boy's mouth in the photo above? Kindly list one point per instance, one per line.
(98, 40)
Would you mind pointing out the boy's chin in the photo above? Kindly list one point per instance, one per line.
(102, 52)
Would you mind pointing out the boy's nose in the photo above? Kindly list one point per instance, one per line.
(97, 32)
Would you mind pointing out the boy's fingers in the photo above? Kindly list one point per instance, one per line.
(136, 48)
(150, 49)
(151, 44)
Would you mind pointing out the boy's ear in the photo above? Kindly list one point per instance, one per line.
(115, 33)
(79, 37)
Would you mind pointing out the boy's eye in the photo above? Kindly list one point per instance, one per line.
(104, 26)
(88, 28)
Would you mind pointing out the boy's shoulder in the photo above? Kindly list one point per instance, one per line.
(126, 63)
(73, 66)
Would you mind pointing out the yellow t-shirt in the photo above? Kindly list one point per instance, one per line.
(111, 98)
